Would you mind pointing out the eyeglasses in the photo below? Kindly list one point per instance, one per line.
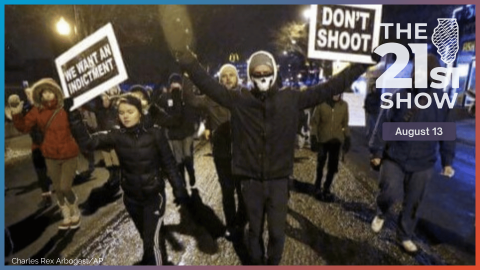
(261, 75)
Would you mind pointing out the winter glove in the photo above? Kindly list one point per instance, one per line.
(314, 144)
(448, 171)
(15, 104)
(346, 145)
(375, 164)
(181, 196)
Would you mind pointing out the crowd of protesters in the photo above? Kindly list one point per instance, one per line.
(147, 137)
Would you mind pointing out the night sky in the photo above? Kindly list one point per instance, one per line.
(218, 31)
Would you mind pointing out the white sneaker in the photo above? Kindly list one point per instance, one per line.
(65, 224)
(377, 224)
(409, 246)
(75, 214)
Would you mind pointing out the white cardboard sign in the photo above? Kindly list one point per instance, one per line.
(91, 67)
(344, 32)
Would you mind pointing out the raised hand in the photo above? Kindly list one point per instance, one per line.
(15, 104)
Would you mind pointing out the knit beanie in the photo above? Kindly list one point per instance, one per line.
(260, 58)
(174, 78)
(226, 67)
(131, 100)
(140, 89)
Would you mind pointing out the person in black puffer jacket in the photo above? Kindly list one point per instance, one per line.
(141, 151)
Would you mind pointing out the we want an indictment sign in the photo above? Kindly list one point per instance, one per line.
(91, 67)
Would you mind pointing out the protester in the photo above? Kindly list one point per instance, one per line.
(407, 167)
(90, 121)
(107, 119)
(58, 146)
(330, 130)
(218, 122)
(180, 137)
(264, 124)
(142, 151)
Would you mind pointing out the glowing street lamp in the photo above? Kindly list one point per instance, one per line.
(63, 27)
(306, 13)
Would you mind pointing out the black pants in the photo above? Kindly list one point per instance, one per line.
(229, 184)
(408, 187)
(332, 150)
(90, 157)
(41, 170)
(268, 198)
(148, 219)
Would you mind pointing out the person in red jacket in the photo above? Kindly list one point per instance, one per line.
(58, 146)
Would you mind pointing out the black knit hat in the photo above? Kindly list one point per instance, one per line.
(131, 100)
(174, 78)
(141, 89)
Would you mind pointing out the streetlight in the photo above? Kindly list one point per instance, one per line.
(306, 13)
(63, 27)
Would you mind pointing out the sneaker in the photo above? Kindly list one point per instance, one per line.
(75, 214)
(409, 246)
(377, 224)
(65, 223)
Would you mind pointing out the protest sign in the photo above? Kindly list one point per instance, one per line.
(344, 32)
(91, 67)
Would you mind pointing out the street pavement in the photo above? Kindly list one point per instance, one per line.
(318, 233)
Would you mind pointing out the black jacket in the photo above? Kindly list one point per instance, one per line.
(264, 125)
(184, 114)
(218, 120)
(141, 152)
(106, 117)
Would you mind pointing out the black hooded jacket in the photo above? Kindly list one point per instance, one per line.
(218, 120)
(264, 124)
(141, 152)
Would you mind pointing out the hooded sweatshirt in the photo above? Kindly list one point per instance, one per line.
(264, 123)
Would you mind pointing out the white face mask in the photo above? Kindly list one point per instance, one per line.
(263, 83)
